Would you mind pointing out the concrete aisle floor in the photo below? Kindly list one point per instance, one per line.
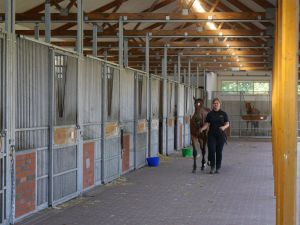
(242, 194)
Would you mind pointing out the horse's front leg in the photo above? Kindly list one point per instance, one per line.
(194, 155)
(203, 151)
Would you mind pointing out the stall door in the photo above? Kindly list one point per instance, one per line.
(65, 136)
(141, 131)
(111, 167)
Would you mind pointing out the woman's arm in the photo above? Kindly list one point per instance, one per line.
(226, 125)
(205, 126)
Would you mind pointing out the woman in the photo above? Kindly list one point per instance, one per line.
(217, 122)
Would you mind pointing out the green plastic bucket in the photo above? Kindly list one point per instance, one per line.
(187, 152)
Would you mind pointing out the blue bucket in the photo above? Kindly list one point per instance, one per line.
(153, 161)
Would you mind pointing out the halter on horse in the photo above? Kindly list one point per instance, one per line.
(198, 139)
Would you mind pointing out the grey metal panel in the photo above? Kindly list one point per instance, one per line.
(64, 185)
(90, 85)
(32, 100)
(42, 191)
(112, 157)
(154, 142)
(187, 136)
(155, 97)
(42, 163)
(98, 161)
(64, 159)
(170, 139)
(141, 149)
(127, 96)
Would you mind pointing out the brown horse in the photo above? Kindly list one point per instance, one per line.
(250, 110)
(198, 139)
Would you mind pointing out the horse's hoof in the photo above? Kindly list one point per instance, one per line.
(194, 171)
(202, 168)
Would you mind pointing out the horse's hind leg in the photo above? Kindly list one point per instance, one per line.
(194, 155)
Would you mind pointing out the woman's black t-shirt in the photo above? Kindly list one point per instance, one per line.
(216, 119)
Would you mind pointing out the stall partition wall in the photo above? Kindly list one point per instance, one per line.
(141, 124)
(90, 94)
(5, 185)
(127, 82)
(155, 96)
(170, 116)
(188, 111)
(111, 168)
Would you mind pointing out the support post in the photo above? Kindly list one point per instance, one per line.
(79, 43)
(47, 21)
(149, 111)
(121, 33)
(284, 110)
(37, 31)
(95, 40)
(126, 53)
(178, 68)
(189, 73)
(10, 16)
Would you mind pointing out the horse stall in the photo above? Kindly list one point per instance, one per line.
(179, 124)
(91, 112)
(127, 82)
(141, 124)
(255, 121)
(170, 116)
(155, 96)
(111, 153)
(4, 159)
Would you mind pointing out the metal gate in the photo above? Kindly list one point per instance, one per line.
(155, 96)
(141, 128)
(170, 116)
(111, 165)
(4, 197)
(64, 152)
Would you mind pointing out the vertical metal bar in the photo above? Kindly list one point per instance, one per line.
(184, 76)
(36, 31)
(10, 16)
(126, 52)
(175, 71)
(121, 37)
(47, 21)
(179, 68)
(165, 98)
(198, 77)
(79, 43)
(149, 110)
(189, 73)
(95, 39)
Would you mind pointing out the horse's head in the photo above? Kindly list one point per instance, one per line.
(198, 103)
(248, 106)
